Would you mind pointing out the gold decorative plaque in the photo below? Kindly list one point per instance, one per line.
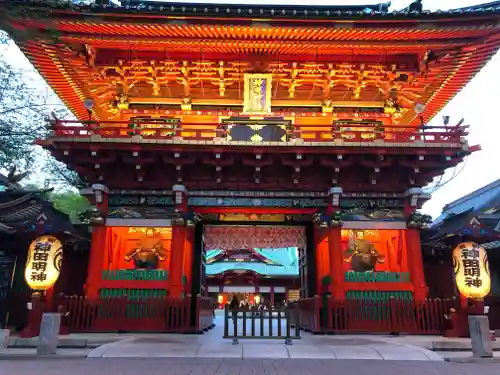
(257, 94)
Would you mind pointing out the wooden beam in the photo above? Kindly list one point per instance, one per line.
(237, 102)
(107, 57)
(129, 41)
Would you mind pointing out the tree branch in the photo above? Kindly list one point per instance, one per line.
(30, 106)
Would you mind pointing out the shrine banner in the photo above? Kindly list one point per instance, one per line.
(247, 236)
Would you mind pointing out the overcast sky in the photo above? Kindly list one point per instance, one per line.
(478, 103)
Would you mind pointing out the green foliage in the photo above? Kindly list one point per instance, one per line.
(70, 203)
(24, 106)
(26, 102)
(59, 175)
(419, 220)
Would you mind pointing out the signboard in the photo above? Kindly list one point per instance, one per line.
(251, 217)
(257, 202)
(472, 272)
(257, 93)
(44, 262)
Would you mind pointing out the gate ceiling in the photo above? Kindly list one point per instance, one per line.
(234, 237)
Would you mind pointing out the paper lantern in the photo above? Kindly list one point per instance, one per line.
(44, 262)
(472, 273)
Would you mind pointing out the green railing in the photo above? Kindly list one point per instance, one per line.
(375, 305)
(143, 275)
(133, 303)
(132, 294)
(377, 277)
(374, 295)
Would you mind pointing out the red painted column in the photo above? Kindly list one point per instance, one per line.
(336, 258)
(188, 256)
(179, 239)
(271, 294)
(97, 249)
(335, 255)
(414, 200)
(177, 257)
(322, 260)
(415, 263)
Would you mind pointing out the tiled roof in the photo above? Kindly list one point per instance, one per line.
(309, 12)
(481, 200)
(491, 245)
(475, 214)
(22, 211)
(285, 263)
(480, 7)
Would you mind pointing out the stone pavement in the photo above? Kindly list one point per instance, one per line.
(204, 366)
(212, 345)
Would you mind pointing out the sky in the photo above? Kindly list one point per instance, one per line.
(478, 103)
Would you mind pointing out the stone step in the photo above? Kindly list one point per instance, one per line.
(64, 342)
(457, 345)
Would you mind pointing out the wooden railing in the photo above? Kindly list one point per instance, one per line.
(378, 316)
(125, 315)
(204, 313)
(310, 310)
(274, 323)
(299, 133)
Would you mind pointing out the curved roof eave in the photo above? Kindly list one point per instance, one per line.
(271, 12)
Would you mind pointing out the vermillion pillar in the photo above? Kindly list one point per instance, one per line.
(99, 197)
(413, 246)
(188, 255)
(179, 238)
(177, 257)
(415, 263)
(335, 255)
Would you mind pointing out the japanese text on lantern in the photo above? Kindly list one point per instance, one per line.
(44, 263)
(472, 275)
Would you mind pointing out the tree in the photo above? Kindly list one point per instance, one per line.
(59, 175)
(23, 110)
(26, 102)
(70, 203)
